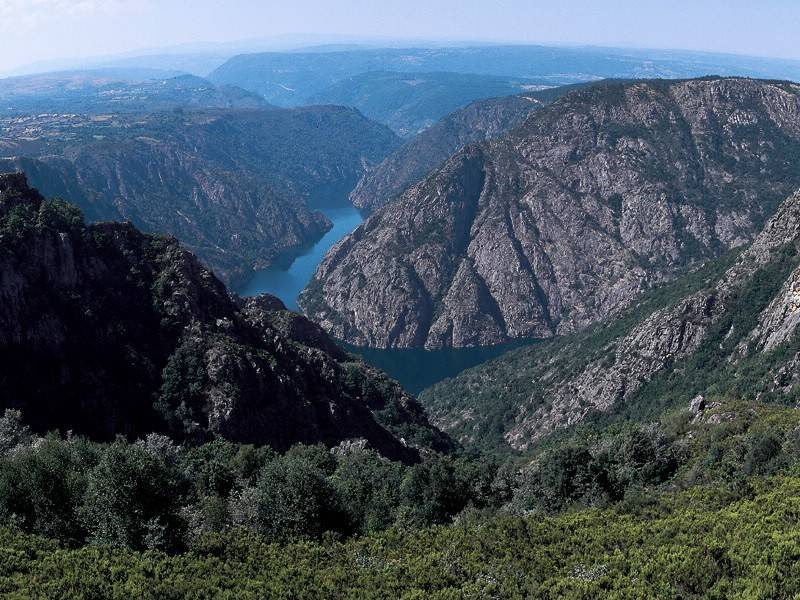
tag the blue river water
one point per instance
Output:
(287, 282)
(415, 369)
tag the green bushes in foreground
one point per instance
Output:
(700, 543)
(155, 495)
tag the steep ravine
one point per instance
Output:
(234, 185)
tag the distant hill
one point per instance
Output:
(117, 90)
(290, 79)
(234, 185)
(411, 102)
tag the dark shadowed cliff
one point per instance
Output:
(105, 330)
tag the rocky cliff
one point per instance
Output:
(105, 331)
(233, 185)
(733, 333)
(566, 220)
(479, 121)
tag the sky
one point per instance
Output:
(37, 30)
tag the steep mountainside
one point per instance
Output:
(728, 330)
(105, 330)
(290, 79)
(566, 220)
(233, 185)
(105, 91)
(411, 102)
(481, 120)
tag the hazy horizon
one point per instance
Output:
(74, 32)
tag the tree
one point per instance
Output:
(41, 489)
(368, 489)
(295, 500)
(132, 500)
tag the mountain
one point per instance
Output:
(409, 103)
(566, 220)
(479, 121)
(728, 331)
(105, 331)
(290, 79)
(105, 91)
(232, 184)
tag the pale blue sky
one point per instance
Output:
(34, 30)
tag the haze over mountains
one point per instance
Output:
(108, 91)
(409, 103)
(291, 79)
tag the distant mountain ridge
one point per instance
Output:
(409, 103)
(105, 91)
(290, 79)
(566, 220)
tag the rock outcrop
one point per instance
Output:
(562, 223)
(739, 333)
(477, 122)
(105, 331)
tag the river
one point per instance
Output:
(415, 369)
(287, 282)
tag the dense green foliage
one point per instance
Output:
(155, 494)
(704, 543)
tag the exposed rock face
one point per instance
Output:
(780, 319)
(233, 185)
(567, 219)
(105, 330)
(481, 120)
(564, 391)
